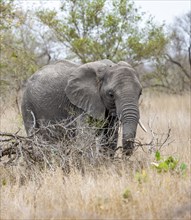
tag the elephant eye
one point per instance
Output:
(110, 94)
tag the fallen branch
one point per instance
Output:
(69, 149)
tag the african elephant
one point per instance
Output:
(102, 89)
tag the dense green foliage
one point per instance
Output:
(100, 29)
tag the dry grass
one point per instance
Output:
(99, 192)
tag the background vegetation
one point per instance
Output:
(155, 182)
(86, 31)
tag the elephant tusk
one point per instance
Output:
(119, 151)
(120, 134)
(142, 126)
(34, 119)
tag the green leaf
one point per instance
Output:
(127, 194)
(14, 55)
(4, 182)
(163, 166)
(183, 166)
(141, 176)
(171, 162)
(157, 156)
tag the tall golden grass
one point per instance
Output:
(120, 190)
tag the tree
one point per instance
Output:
(172, 69)
(179, 53)
(24, 47)
(17, 62)
(99, 29)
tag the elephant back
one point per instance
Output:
(52, 74)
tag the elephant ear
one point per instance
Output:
(83, 89)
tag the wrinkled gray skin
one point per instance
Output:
(102, 89)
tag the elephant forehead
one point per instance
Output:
(122, 78)
(121, 70)
(121, 75)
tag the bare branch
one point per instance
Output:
(76, 145)
(189, 55)
(179, 65)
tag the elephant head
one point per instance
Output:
(101, 87)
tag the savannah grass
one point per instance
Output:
(130, 189)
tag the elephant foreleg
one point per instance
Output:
(110, 137)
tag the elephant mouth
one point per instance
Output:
(112, 113)
(128, 146)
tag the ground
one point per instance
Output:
(133, 189)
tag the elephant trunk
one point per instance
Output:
(129, 118)
(129, 133)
